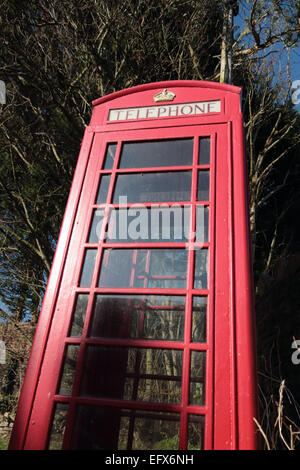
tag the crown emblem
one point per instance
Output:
(164, 95)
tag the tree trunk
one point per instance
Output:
(226, 48)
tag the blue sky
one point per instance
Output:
(279, 59)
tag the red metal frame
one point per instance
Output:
(231, 402)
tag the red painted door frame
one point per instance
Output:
(231, 393)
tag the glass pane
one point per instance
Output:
(196, 432)
(66, 381)
(58, 426)
(152, 268)
(103, 189)
(153, 187)
(157, 153)
(201, 269)
(96, 226)
(199, 319)
(96, 428)
(79, 315)
(203, 186)
(159, 317)
(110, 156)
(132, 374)
(124, 429)
(204, 151)
(155, 431)
(197, 378)
(104, 372)
(126, 432)
(157, 375)
(202, 224)
(155, 224)
(88, 268)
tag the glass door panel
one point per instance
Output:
(160, 153)
(140, 324)
(153, 187)
(155, 317)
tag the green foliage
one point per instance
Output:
(3, 443)
(169, 443)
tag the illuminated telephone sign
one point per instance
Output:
(145, 338)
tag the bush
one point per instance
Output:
(8, 403)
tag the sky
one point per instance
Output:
(294, 57)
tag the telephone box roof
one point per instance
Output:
(166, 84)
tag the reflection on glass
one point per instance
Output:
(201, 269)
(196, 429)
(132, 374)
(88, 267)
(199, 319)
(153, 187)
(104, 372)
(124, 429)
(96, 428)
(68, 372)
(110, 156)
(158, 317)
(149, 268)
(103, 189)
(197, 378)
(155, 224)
(79, 315)
(203, 186)
(204, 151)
(202, 224)
(157, 153)
(58, 426)
(155, 375)
(151, 431)
(96, 226)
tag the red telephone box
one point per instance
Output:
(146, 335)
